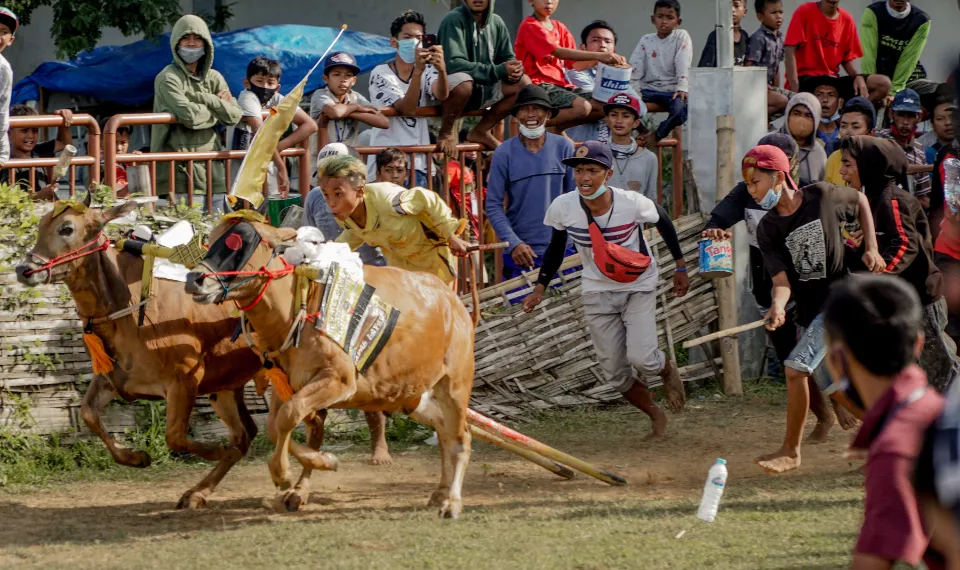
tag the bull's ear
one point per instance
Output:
(118, 212)
(88, 199)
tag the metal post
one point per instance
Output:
(724, 34)
(726, 287)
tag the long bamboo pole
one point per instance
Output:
(551, 466)
(490, 425)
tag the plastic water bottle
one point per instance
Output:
(951, 183)
(712, 491)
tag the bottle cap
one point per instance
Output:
(721, 461)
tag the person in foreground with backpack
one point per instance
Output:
(619, 277)
(873, 337)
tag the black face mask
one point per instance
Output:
(263, 93)
(233, 250)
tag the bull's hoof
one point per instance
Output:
(438, 498)
(137, 458)
(292, 501)
(192, 500)
(450, 510)
(284, 484)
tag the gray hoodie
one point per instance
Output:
(813, 159)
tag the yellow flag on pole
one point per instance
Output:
(253, 170)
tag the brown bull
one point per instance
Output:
(425, 369)
(181, 351)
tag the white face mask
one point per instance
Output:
(533, 133)
(898, 15)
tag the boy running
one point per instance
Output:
(619, 304)
(804, 252)
(903, 235)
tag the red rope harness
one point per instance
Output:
(70, 255)
(287, 269)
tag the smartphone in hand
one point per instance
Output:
(428, 41)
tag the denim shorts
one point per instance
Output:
(807, 357)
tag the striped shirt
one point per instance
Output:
(622, 225)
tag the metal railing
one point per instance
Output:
(111, 158)
(90, 160)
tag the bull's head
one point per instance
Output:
(65, 236)
(238, 245)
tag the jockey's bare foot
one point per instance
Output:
(673, 386)
(658, 419)
(448, 144)
(822, 430)
(381, 456)
(847, 420)
(780, 461)
(483, 137)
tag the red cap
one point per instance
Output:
(626, 101)
(768, 157)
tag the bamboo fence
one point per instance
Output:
(523, 362)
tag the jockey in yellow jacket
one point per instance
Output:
(413, 227)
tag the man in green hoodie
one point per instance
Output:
(199, 97)
(482, 71)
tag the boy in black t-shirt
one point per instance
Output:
(803, 250)
(23, 144)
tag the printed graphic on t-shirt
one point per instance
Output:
(808, 250)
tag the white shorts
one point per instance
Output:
(623, 327)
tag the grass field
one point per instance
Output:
(515, 514)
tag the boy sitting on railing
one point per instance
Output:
(337, 107)
(23, 144)
(261, 92)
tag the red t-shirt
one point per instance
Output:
(892, 526)
(534, 47)
(823, 45)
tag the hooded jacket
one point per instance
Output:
(903, 232)
(481, 51)
(194, 100)
(813, 159)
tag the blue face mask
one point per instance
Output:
(600, 192)
(407, 50)
(770, 200)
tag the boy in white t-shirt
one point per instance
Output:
(261, 92)
(619, 301)
(417, 77)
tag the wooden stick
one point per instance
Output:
(490, 425)
(726, 287)
(724, 333)
(488, 246)
(551, 466)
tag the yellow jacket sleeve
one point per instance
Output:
(429, 208)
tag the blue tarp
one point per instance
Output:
(124, 74)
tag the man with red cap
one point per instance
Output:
(635, 167)
(803, 249)
(619, 277)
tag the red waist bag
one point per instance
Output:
(615, 261)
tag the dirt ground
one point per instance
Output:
(515, 514)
